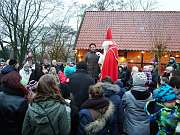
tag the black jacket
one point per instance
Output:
(12, 111)
(79, 83)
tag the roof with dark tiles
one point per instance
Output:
(132, 30)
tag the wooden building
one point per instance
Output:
(135, 32)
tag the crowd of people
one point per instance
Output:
(59, 99)
(90, 97)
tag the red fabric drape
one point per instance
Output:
(110, 64)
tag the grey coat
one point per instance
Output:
(92, 64)
(136, 120)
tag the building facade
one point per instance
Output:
(138, 34)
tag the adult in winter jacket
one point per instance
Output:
(172, 63)
(91, 60)
(78, 85)
(13, 104)
(96, 113)
(111, 91)
(47, 114)
(134, 101)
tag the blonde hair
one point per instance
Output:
(96, 91)
(53, 70)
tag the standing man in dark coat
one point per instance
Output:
(91, 60)
(79, 83)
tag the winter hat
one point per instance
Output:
(173, 58)
(147, 68)
(68, 70)
(164, 93)
(169, 69)
(139, 79)
(108, 34)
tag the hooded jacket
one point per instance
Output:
(13, 107)
(47, 118)
(90, 125)
(166, 117)
(136, 120)
(111, 92)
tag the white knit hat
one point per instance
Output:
(173, 58)
(139, 78)
(169, 69)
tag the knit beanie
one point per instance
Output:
(173, 58)
(139, 79)
(164, 93)
(169, 69)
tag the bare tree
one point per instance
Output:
(143, 5)
(21, 18)
(61, 42)
(102, 5)
(148, 5)
(131, 5)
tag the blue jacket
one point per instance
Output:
(7, 69)
(111, 92)
(136, 120)
(100, 126)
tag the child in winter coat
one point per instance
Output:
(96, 113)
(164, 110)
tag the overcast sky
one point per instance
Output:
(163, 5)
(170, 5)
(173, 5)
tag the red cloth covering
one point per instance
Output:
(110, 64)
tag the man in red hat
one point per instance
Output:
(109, 60)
